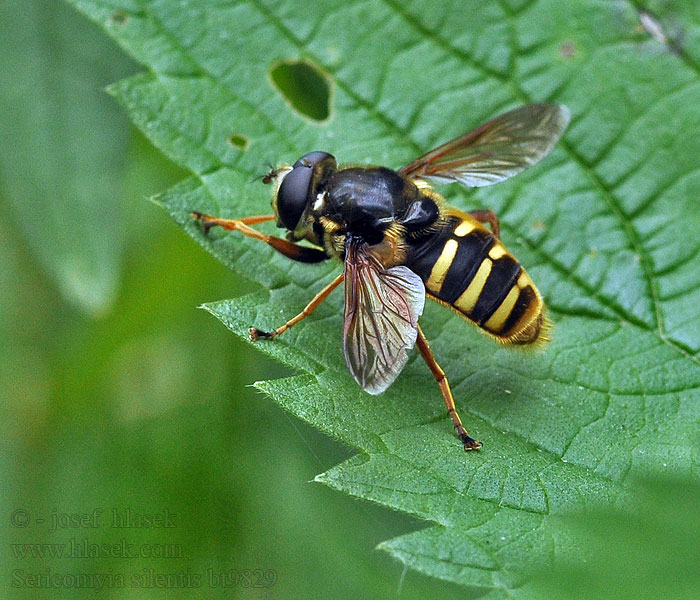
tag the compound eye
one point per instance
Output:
(312, 159)
(292, 196)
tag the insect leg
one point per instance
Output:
(256, 334)
(208, 221)
(439, 374)
(289, 249)
(488, 216)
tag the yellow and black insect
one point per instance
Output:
(400, 242)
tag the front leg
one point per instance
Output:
(289, 249)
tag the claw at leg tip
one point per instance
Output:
(201, 218)
(469, 442)
(472, 445)
(255, 334)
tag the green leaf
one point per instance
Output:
(607, 226)
(64, 146)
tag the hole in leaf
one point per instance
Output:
(239, 141)
(568, 49)
(304, 86)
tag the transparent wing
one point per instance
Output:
(382, 307)
(499, 149)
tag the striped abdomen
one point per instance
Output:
(466, 267)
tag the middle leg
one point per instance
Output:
(256, 334)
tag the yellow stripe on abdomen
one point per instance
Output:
(497, 320)
(467, 300)
(441, 266)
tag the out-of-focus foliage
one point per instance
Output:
(63, 147)
(648, 551)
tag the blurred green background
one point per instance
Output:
(118, 393)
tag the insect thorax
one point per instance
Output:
(372, 204)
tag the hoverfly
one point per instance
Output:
(399, 242)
